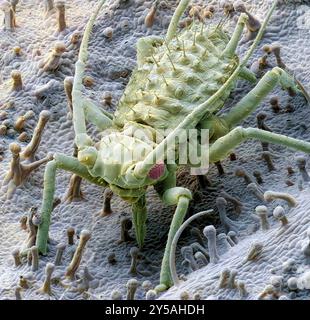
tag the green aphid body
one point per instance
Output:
(170, 81)
(179, 83)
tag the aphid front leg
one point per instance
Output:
(60, 162)
(173, 196)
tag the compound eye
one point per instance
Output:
(157, 171)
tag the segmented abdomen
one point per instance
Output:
(175, 78)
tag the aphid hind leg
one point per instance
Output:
(221, 148)
(252, 100)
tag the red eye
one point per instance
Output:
(157, 171)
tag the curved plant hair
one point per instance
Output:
(173, 270)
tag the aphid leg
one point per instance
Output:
(139, 215)
(180, 197)
(82, 139)
(252, 100)
(60, 162)
(102, 120)
(276, 49)
(164, 188)
(224, 145)
(172, 196)
(248, 75)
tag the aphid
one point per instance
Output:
(163, 103)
